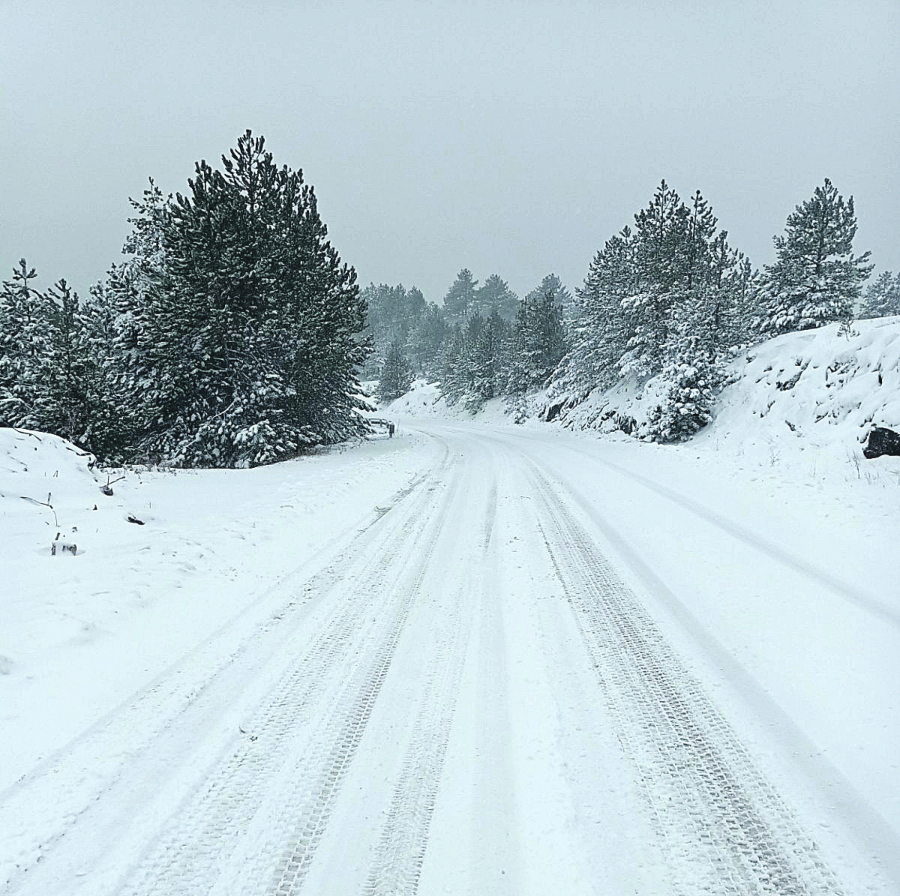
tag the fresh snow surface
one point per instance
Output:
(475, 658)
(424, 399)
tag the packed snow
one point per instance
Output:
(475, 657)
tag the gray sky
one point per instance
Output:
(505, 137)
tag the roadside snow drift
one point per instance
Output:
(817, 386)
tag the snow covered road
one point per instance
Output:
(546, 666)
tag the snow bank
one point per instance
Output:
(424, 399)
(816, 393)
(50, 491)
(817, 386)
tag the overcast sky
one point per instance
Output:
(504, 137)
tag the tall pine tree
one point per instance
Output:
(460, 298)
(396, 375)
(239, 330)
(816, 279)
(539, 341)
(25, 329)
(495, 295)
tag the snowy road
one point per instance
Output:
(521, 678)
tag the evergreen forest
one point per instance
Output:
(233, 335)
(666, 299)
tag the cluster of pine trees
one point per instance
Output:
(882, 298)
(231, 336)
(50, 376)
(666, 300)
(666, 297)
(482, 343)
(670, 300)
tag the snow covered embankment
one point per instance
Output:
(814, 391)
(424, 399)
(817, 387)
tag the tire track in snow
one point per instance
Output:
(866, 825)
(286, 779)
(494, 782)
(490, 518)
(746, 536)
(322, 788)
(397, 865)
(303, 831)
(723, 826)
(165, 714)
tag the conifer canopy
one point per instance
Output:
(239, 325)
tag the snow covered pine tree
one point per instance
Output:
(882, 297)
(246, 327)
(24, 337)
(460, 298)
(396, 376)
(816, 279)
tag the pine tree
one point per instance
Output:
(882, 298)
(486, 346)
(732, 298)
(745, 288)
(495, 295)
(518, 370)
(693, 379)
(600, 328)
(63, 406)
(46, 372)
(472, 331)
(563, 297)
(239, 330)
(816, 279)
(425, 339)
(690, 378)
(662, 243)
(393, 313)
(121, 334)
(25, 317)
(454, 380)
(548, 336)
(109, 423)
(460, 298)
(396, 376)
(669, 298)
(539, 341)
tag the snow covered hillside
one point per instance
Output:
(815, 391)
(425, 400)
(807, 398)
